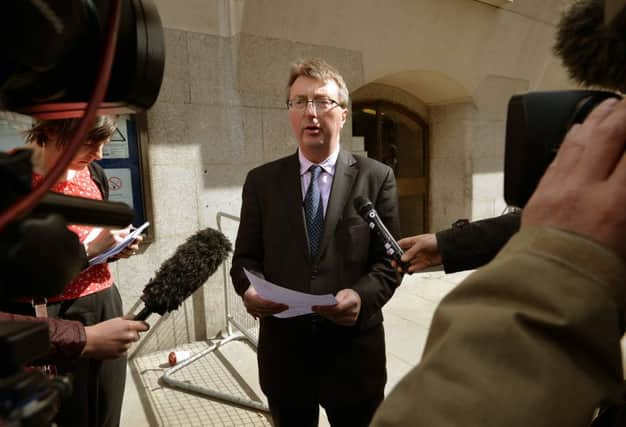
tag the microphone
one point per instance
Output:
(183, 273)
(591, 40)
(365, 208)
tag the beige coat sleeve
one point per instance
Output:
(532, 339)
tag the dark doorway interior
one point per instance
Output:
(398, 138)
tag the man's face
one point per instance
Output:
(317, 132)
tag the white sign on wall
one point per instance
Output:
(12, 127)
(120, 185)
(117, 148)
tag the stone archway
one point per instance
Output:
(393, 116)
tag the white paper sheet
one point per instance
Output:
(299, 303)
(99, 259)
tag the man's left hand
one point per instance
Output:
(345, 312)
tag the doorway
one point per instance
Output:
(399, 138)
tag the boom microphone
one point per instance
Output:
(591, 41)
(184, 272)
(365, 208)
(79, 210)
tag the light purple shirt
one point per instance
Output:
(325, 179)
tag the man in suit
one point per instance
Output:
(300, 230)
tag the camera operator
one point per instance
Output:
(91, 298)
(533, 338)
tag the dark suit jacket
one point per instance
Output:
(272, 242)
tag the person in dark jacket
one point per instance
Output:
(464, 246)
(300, 230)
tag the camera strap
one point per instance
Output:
(41, 307)
(41, 311)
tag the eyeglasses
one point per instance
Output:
(320, 104)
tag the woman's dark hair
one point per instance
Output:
(61, 130)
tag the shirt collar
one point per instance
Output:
(327, 165)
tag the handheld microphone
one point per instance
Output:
(183, 273)
(365, 208)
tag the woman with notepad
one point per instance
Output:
(91, 298)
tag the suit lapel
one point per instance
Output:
(292, 191)
(345, 173)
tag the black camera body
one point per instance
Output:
(27, 397)
(536, 124)
(51, 53)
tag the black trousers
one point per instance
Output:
(98, 385)
(306, 414)
(612, 416)
(306, 363)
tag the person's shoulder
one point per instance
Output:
(371, 165)
(272, 168)
(97, 172)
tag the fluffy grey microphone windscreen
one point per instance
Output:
(593, 51)
(186, 270)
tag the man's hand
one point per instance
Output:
(421, 252)
(345, 312)
(112, 338)
(259, 307)
(584, 189)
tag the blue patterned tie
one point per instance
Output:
(314, 210)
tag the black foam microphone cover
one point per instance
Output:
(184, 272)
(591, 42)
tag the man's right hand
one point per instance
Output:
(112, 338)
(421, 252)
(259, 307)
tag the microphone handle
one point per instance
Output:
(392, 249)
(143, 314)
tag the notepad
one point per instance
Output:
(114, 250)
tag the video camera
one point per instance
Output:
(27, 397)
(591, 40)
(60, 59)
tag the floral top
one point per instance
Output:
(98, 277)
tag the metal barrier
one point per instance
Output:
(239, 326)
